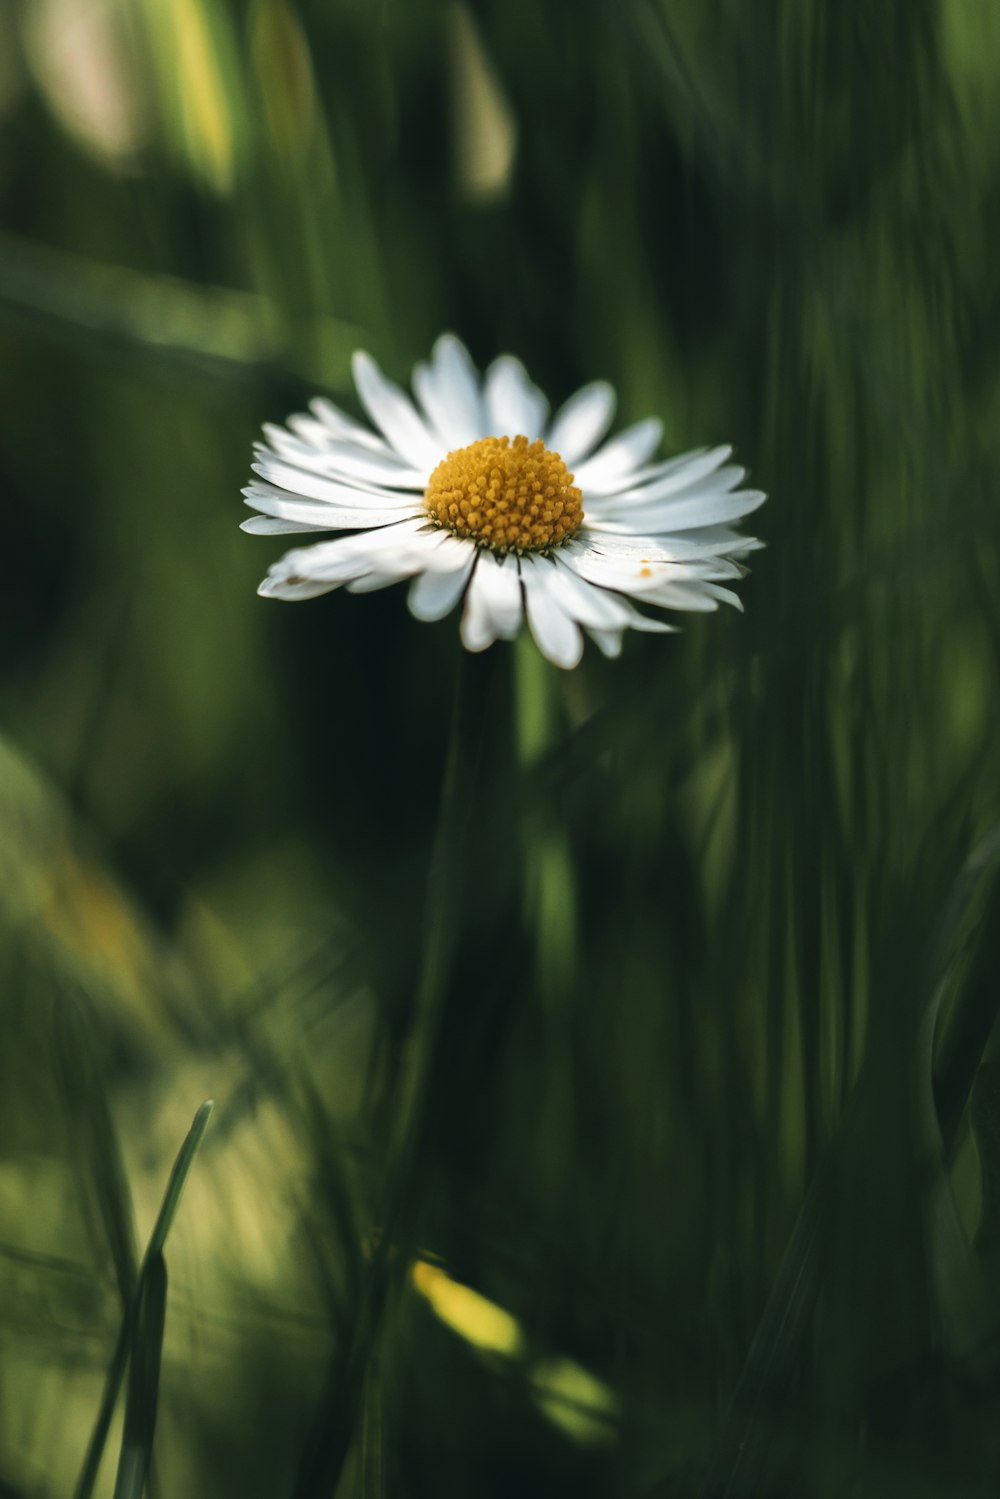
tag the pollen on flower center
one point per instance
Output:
(508, 495)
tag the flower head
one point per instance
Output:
(475, 494)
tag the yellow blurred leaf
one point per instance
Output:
(581, 1405)
(483, 1324)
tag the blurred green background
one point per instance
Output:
(695, 959)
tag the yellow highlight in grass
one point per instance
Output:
(206, 114)
(282, 63)
(484, 129)
(483, 1324)
(580, 1404)
(196, 57)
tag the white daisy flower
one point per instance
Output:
(475, 494)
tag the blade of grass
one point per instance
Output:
(985, 1114)
(773, 1353)
(373, 1476)
(970, 1025)
(741, 1458)
(95, 1139)
(213, 331)
(139, 1343)
(109, 1398)
(143, 1381)
(178, 1176)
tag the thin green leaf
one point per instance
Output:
(178, 1176)
(96, 1140)
(139, 1344)
(144, 1381)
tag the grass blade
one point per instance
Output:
(143, 1382)
(140, 1344)
(178, 1176)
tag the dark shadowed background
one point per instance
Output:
(694, 954)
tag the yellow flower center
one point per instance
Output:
(510, 495)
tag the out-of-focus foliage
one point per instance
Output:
(695, 954)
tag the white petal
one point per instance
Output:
(581, 422)
(459, 377)
(435, 594)
(269, 525)
(659, 583)
(692, 594)
(395, 414)
(639, 574)
(626, 543)
(448, 552)
(285, 447)
(349, 464)
(717, 541)
(721, 481)
(727, 476)
(644, 624)
(312, 486)
(293, 590)
(309, 440)
(634, 546)
(514, 406)
(586, 603)
(448, 390)
(741, 545)
(332, 422)
(635, 576)
(327, 517)
(349, 458)
(596, 606)
(709, 569)
(494, 609)
(608, 641)
(683, 513)
(691, 598)
(726, 596)
(439, 418)
(556, 635)
(405, 546)
(686, 468)
(620, 457)
(349, 557)
(385, 575)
